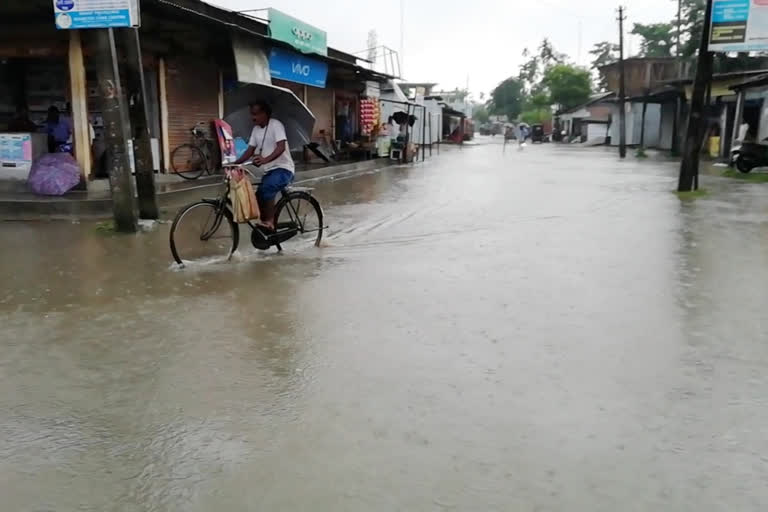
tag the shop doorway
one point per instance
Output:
(29, 87)
(347, 117)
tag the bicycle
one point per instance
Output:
(194, 158)
(206, 228)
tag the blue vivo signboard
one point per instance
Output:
(293, 67)
(78, 14)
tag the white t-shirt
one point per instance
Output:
(275, 132)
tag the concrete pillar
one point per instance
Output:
(738, 115)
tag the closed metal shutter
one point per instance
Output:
(193, 97)
(320, 102)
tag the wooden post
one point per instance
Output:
(430, 134)
(407, 139)
(642, 125)
(79, 102)
(689, 167)
(676, 126)
(162, 77)
(116, 132)
(136, 89)
(424, 134)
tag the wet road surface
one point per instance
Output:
(547, 330)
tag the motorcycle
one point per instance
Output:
(749, 155)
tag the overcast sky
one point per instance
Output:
(446, 40)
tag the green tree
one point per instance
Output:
(540, 100)
(568, 86)
(507, 98)
(692, 26)
(480, 114)
(603, 53)
(536, 64)
(658, 39)
(535, 116)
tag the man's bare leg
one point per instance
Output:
(268, 213)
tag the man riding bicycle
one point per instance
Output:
(270, 145)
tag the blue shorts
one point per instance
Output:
(273, 182)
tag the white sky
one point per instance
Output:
(448, 40)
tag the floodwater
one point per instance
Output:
(546, 330)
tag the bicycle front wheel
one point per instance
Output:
(203, 231)
(301, 212)
(189, 162)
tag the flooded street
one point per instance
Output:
(545, 330)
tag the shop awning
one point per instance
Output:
(257, 29)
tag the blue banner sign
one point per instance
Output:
(82, 14)
(293, 67)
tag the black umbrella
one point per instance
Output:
(286, 108)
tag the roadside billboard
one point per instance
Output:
(302, 36)
(739, 26)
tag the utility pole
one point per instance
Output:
(116, 130)
(139, 116)
(689, 166)
(679, 29)
(402, 37)
(622, 89)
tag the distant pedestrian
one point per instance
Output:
(522, 135)
(59, 131)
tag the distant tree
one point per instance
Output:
(603, 53)
(460, 94)
(568, 86)
(507, 98)
(536, 65)
(657, 39)
(692, 26)
(480, 114)
(536, 116)
(540, 100)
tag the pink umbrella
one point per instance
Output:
(54, 174)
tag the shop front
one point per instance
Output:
(36, 99)
(307, 78)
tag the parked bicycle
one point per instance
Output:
(192, 160)
(206, 229)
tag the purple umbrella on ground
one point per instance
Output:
(54, 174)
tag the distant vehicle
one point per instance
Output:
(537, 134)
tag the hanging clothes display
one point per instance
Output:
(369, 115)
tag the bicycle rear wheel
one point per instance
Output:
(188, 161)
(301, 212)
(201, 231)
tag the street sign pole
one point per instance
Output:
(689, 166)
(116, 130)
